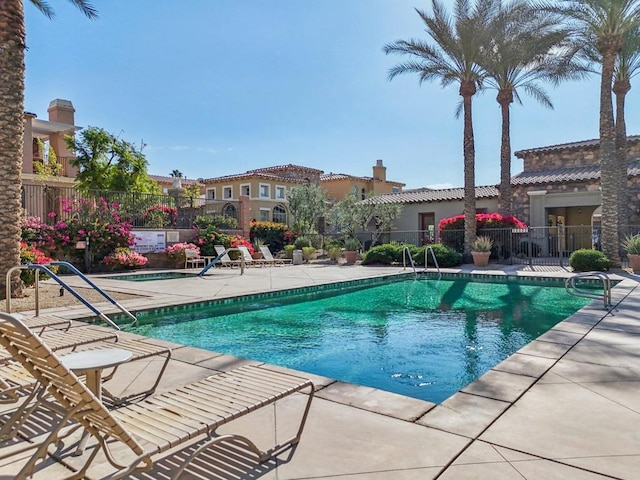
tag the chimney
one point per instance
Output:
(380, 171)
(61, 111)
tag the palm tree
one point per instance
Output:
(603, 24)
(12, 46)
(176, 174)
(525, 42)
(627, 66)
(452, 57)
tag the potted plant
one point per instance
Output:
(351, 247)
(481, 251)
(257, 243)
(631, 245)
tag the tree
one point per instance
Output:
(307, 204)
(603, 24)
(106, 162)
(12, 46)
(353, 215)
(452, 57)
(176, 174)
(523, 51)
(627, 66)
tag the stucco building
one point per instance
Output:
(339, 185)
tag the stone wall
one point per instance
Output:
(536, 161)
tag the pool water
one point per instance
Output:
(421, 338)
(148, 277)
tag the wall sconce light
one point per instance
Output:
(579, 210)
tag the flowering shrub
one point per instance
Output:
(30, 255)
(95, 219)
(176, 251)
(160, 216)
(125, 258)
(238, 240)
(276, 235)
(483, 220)
(206, 237)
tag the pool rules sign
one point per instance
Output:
(147, 241)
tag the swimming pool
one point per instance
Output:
(149, 277)
(421, 338)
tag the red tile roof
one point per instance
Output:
(330, 177)
(575, 174)
(421, 195)
(569, 146)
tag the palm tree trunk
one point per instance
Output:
(608, 163)
(12, 45)
(467, 90)
(620, 89)
(505, 98)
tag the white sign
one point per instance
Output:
(149, 241)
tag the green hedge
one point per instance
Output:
(587, 259)
(389, 253)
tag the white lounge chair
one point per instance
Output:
(192, 259)
(225, 261)
(267, 255)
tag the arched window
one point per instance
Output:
(279, 214)
(229, 211)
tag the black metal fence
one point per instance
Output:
(144, 210)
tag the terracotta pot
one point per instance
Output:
(350, 256)
(256, 255)
(481, 259)
(634, 262)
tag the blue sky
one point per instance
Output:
(216, 87)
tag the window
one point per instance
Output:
(245, 190)
(264, 190)
(280, 193)
(211, 194)
(229, 211)
(264, 214)
(363, 194)
(227, 192)
(395, 190)
(279, 214)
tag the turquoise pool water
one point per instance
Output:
(421, 338)
(148, 277)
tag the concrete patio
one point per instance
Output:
(563, 407)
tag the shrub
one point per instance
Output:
(218, 222)
(482, 244)
(587, 259)
(288, 251)
(32, 255)
(352, 244)
(302, 242)
(276, 235)
(447, 257)
(160, 217)
(176, 251)
(631, 244)
(483, 220)
(334, 252)
(126, 258)
(385, 254)
(307, 253)
(207, 236)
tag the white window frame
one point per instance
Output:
(225, 189)
(242, 186)
(284, 192)
(210, 191)
(268, 211)
(268, 185)
(395, 190)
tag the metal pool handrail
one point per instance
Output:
(433, 256)
(571, 287)
(44, 268)
(406, 252)
(219, 257)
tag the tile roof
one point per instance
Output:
(163, 179)
(284, 168)
(253, 174)
(569, 146)
(575, 174)
(420, 195)
(330, 177)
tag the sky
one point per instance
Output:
(217, 87)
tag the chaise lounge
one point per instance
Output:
(180, 417)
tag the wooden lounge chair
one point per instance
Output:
(266, 254)
(192, 259)
(187, 414)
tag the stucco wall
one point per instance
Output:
(409, 219)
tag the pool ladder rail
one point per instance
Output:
(572, 288)
(407, 253)
(45, 268)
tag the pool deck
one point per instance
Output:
(566, 406)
